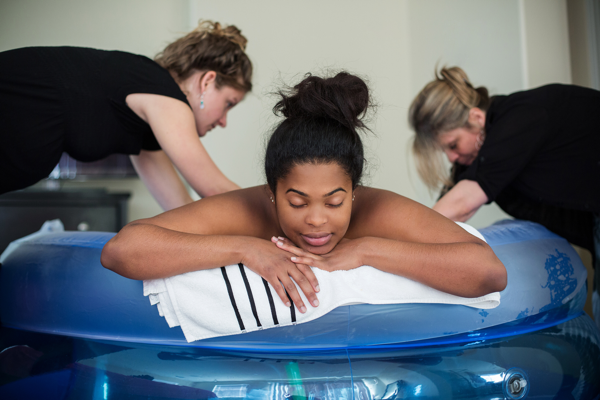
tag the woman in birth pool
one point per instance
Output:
(312, 211)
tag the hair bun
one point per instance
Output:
(206, 28)
(344, 98)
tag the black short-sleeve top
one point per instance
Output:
(545, 144)
(90, 87)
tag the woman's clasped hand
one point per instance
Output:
(277, 268)
(343, 257)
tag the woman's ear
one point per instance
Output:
(477, 117)
(207, 79)
(271, 195)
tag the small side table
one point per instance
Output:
(23, 212)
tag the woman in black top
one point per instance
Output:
(536, 153)
(91, 103)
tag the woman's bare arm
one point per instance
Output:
(217, 231)
(173, 124)
(462, 201)
(158, 174)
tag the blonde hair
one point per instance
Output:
(442, 105)
(210, 47)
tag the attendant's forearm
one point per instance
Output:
(145, 251)
(222, 185)
(158, 174)
(462, 201)
(454, 213)
(466, 269)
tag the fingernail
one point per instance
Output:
(280, 238)
(317, 288)
(294, 258)
(316, 303)
(287, 304)
(279, 243)
(302, 309)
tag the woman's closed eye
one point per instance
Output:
(297, 205)
(336, 205)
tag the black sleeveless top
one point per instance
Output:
(543, 144)
(71, 99)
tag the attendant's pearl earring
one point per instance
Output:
(272, 201)
(352, 197)
(480, 139)
(202, 101)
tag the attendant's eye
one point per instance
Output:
(452, 146)
(297, 205)
(336, 205)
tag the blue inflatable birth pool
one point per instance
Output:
(74, 330)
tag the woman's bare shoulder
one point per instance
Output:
(244, 212)
(383, 213)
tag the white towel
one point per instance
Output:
(233, 299)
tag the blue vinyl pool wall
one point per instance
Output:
(558, 362)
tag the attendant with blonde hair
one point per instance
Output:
(535, 153)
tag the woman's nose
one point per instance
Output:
(316, 217)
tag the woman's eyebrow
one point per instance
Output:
(334, 191)
(325, 195)
(296, 191)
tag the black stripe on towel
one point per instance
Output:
(292, 308)
(237, 313)
(271, 303)
(250, 296)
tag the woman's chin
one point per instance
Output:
(320, 250)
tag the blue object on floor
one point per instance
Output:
(537, 344)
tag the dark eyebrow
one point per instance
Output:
(297, 191)
(325, 195)
(334, 191)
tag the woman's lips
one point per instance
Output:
(317, 239)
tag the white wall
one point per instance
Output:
(547, 42)
(393, 43)
(289, 39)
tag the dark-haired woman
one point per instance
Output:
(92, 103)
(536, 153)
(312, 212)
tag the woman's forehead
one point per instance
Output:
(316, 178)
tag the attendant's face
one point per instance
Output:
(461, 145)
(216, 103)
(314, 205)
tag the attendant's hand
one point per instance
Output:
(344, 256)
(275, 266)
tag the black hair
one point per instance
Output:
(322, 119)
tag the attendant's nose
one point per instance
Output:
(222, 122)
(452, 156)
